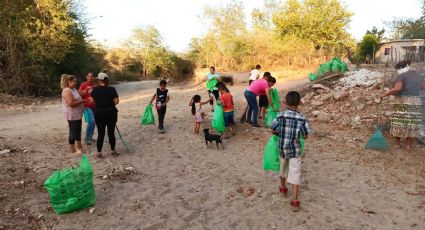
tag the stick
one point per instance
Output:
(122, 140)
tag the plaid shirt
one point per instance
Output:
(289, 125)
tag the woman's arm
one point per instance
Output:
(116, 100)
(69, 99)
(398, 86)
(269, 99)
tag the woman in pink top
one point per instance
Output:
(73, 107)
(257, 88)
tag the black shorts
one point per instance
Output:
(263, 102)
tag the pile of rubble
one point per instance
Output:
(352, 100)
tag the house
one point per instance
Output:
(399, 50)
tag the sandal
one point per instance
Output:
(99, 156)
(114, 153)
(295, 205)
(283, 191)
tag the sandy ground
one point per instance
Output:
(180, 184)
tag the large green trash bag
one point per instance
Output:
(324, 69)
(271, 114)
(148, 118)
(211, 83)
(271, 161)
(72, 188)
(218, 119)
(302, 145)
(336, 66)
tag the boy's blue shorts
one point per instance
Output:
(228, 119)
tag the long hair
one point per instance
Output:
(65, 79)
(196, 99)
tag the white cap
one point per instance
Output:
(102, 76)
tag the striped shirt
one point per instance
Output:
(289, 125)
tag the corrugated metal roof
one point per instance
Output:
(403, 40)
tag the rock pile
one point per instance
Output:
(352, 100)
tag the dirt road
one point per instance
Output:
(178, 183)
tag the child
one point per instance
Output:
(162, 97)
(262, 99)
(196, 104)
(289, 126)
(255, 74)
(226, 100)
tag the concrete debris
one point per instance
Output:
(320, 86)
(362, 77)
(340, 94)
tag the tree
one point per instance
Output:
(367, 47)
(40, 39)
(323, 23)
(378, 33)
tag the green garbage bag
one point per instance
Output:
(211, 83)
(302, 145)
(324, 69)
(271, 114)
(148, 118)
(271, 161)
(312, 77)
(344, 67)
(72, 188)
(218, 119)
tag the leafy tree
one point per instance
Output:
(378, 33)
(367, 46)
(323, 23)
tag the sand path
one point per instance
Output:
(180, 184)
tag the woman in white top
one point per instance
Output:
(196, 104)
(255, 74)
(73, 107)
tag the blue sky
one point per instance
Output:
(112, 21)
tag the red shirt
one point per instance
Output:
(86, 85)
(226, 100)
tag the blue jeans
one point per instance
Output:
(252, 114)
(91, 124)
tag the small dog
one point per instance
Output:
(212, 137)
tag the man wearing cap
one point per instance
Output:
(106, 114)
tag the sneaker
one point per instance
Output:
(162, 131)
(249, 122)
(295, 205)
(87, 142)
(256, 125)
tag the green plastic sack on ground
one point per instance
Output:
(302, 145)
(312, 77)
(72, 189)
(324, 69)
(148, 118)
(211, 83)
(271, 161)
(336, 66)
(271, 114)
(218, 119)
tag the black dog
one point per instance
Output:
(212, 137)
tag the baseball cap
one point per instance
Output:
(102, 76)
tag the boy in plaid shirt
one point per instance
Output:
(289, 126)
